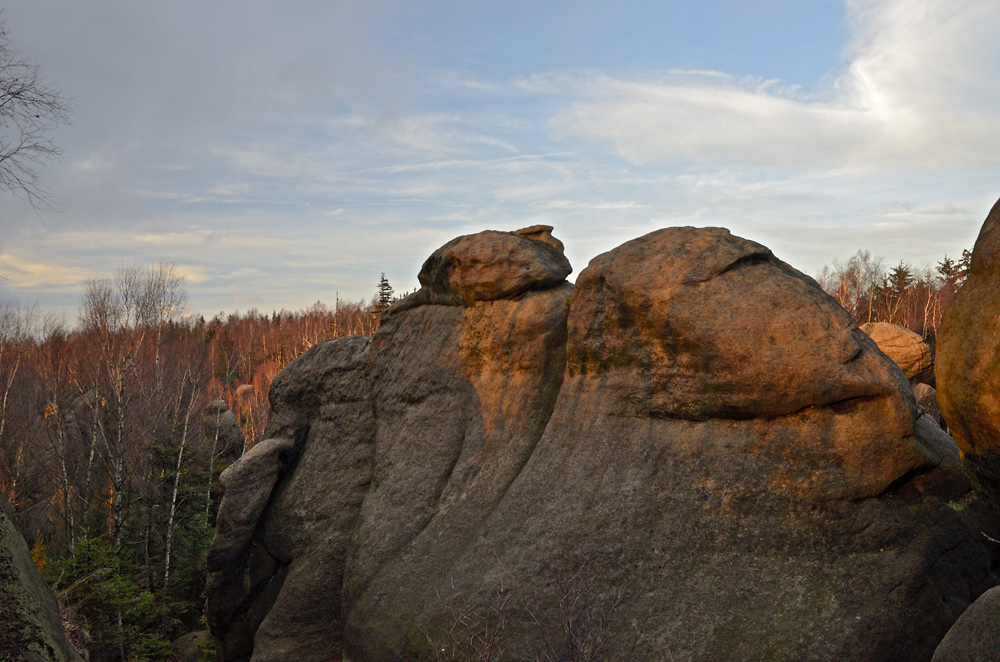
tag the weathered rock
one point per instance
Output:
(968, 361)
(926, 397)
(223, 430)
(975, 637)
(907, 349)
(30, 626)
(736, 528)
(277, 577)
(693, 454)
(489, 266)
(461, 397)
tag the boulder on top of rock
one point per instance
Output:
(694, 453)
(967, 366)
(718, 328)
(491, 265)
(907, 349)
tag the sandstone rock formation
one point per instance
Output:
(694, 454)
(221, 426)
(926, 397)
(907, 349)
(975, 637)
(968, 361)
(30, 627)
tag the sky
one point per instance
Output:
(281, 154)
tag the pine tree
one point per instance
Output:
(949, 271)
(896, 288)
(964, 265)
(384, 294)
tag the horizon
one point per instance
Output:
(280, 155)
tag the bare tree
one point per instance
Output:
(855, 283)
(53, 372)
(29, 110)
(16, 326)
(126, 315)
(181, 447)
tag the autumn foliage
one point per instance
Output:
(910, 297)
(102, 445)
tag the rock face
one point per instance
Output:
(907, 349)
(30, 627)
(926, 397)
(222, 427)
(968, 361)
(693, 454)
(976, 635)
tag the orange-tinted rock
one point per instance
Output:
(968, 361)
(926, 397)
(695, 441)
(907, 349)
(491, 265)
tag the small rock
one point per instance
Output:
(907, 349)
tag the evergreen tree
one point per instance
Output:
(948, 270)
(899, 279)
(964, 264)
(895, 290)
(384, 294)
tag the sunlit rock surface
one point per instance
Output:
(693, 454)
(968, 361)
(907, 350)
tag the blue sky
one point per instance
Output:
(280, 153)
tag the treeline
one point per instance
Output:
(103, 446)
(910, 297)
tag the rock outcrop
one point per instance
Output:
(926, 397)
(222, 428)
(975, 637)
(968, 361)
(30, 627)
(694, 453)
(907, 349)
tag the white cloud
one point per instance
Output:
(920, 90)
(303, 153)
(29, 273)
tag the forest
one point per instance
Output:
(110, 459)
(902, 295)
(103, 450)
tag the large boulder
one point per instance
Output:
(968, 361)
(31, 629)
(693, 454)
(975, 637)
(907, 349)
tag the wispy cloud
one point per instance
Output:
(919, 90)
(284, 155)
(31, 274)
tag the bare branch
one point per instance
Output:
(29, 111)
